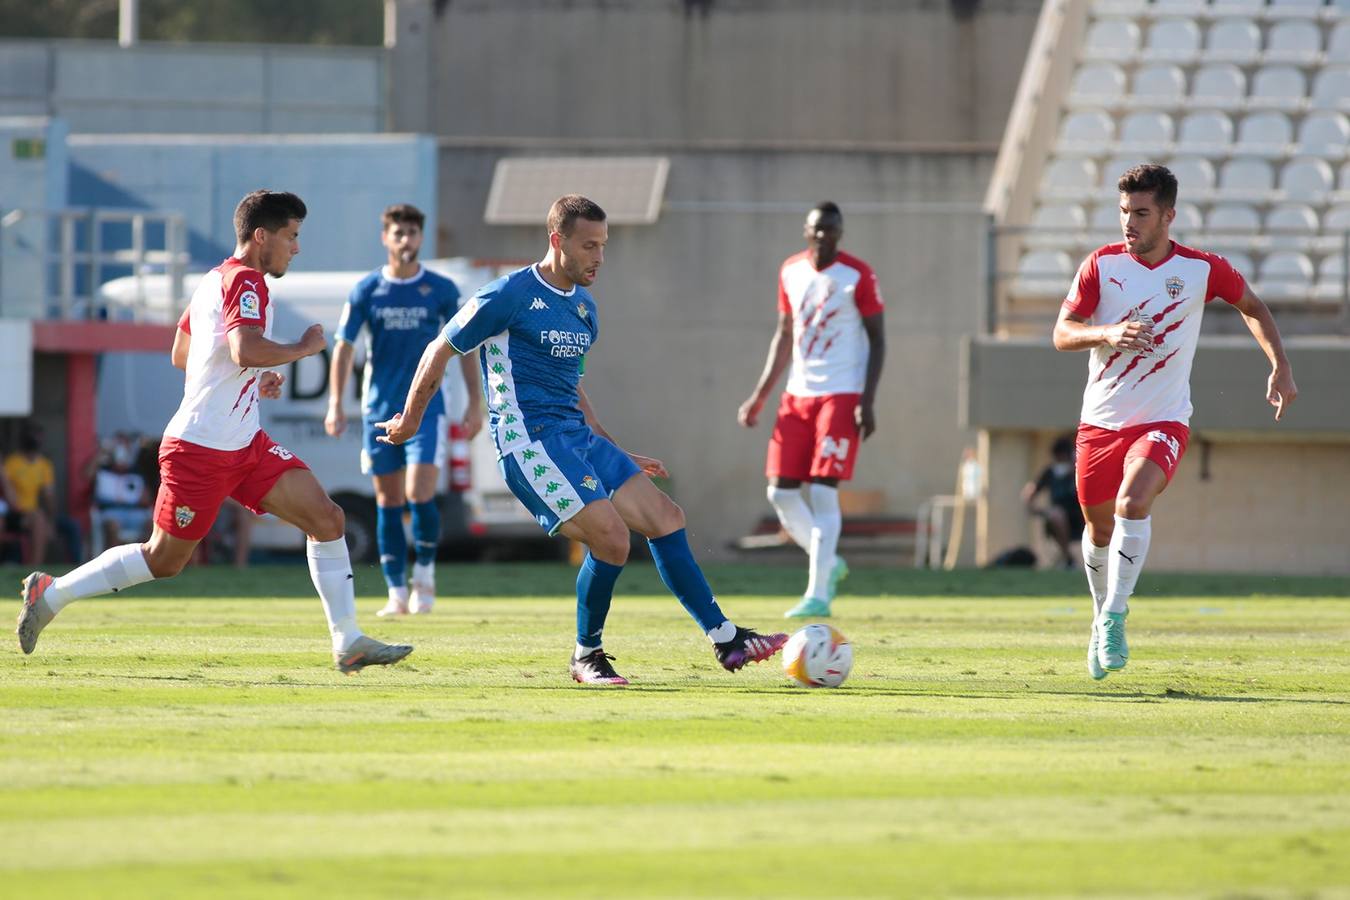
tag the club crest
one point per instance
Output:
(183, 516)
(581, 310)
(1174, 286)
(589, 483)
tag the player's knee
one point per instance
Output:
(161, 563)
(610, 547)
(672, 518)
(1130, 507)
(330, 523)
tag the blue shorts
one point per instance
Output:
(557, 476)
(429, 446)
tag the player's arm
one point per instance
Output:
(1280, 387)
(250, 350)
(473, 382)
(426, 382)
(178, 355)
(875, 328)
(339, 370)
(584, 403)
(651, 466)
(1074, 332)
(780, 356)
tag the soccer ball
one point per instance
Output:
(818, 656)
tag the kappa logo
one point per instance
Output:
(183, 515)
(1172, 444)
(836, 448)
(538, 304)
(1174, 286)
(281, 451)
(250, 306)
(589, 483)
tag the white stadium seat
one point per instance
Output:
(1307, 178)
(1043, 273)
(1111, 39)
(1286, 275)
(1086, 132)
(1337, 221)
(1205, 133)
(1105, 222)
(1245, 178)
(1238, 7)
(1059, 217)
(1195, 176)
(1233, 41)
(1278, 87)
(1242, 262)
(1294, 41)
(1097, 85)
(1331, 278)
(1069, 178)
(1345, 179)
(1220, 86)
(1331, 88)
(1172, 41)
(1179, 7)
(1325, 134)
(1146, 133)
(1264, 134)
(1308, 9)
(1115, 167)
(1338, 46)
(1160, 85)
(1233, 218)
(1188, 219)
(1292, 226)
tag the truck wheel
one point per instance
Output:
(360, 530)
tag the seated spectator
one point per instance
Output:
(1062, 514)
(32, 478)
(121, 495)
(11, 523)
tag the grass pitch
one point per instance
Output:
(191, 739)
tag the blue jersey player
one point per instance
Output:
(401, 305)
(532, 330)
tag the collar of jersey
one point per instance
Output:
(384, 273)
(534, 270)
(1151, 266)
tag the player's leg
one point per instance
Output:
(787, 466)
(282, 485)
(1099, 469)
(427, 454)
(384, 463)
(835, 441)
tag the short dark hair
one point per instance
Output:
(403, 214)
(266, 209)
(1150, 177)
(829, 208)
(568, 208)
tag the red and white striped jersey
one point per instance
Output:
(829, 345)
(1128, 388)
(220, 399)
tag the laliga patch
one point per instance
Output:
(250, 307)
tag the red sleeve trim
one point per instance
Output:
(1086, 291)
(867, 295)
(1225, 282)
(185, 320)
(245, 298)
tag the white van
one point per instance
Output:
(137, 393)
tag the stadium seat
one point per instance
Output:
(1069, 179)
(1205, 133)
(1195, 176)
(1291, 226)
(1296, 41)
(1233, 41)
(1158, 86)
(1086, 132)
(1238, 7)
(1246, 179)
(1301, 9)
(1097, 85)
(1232, 226)
(1278, 87)
(1345, 182)
(1242, 262)
(1286, 275)
(1111, 171)
(1148, 133)
(1056, 226)
(1337, 221)
(1338, 45)
(1111, 39)
(1265, 134)
(1172, 40)
(1331, 278)
(1307, 178)
(1331, 88)
(1325, 134)
(1220, 86)
(1043, 273)
(1188, 221)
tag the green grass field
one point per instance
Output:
(191, 739)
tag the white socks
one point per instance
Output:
(330, 569)
(583, 651)
(1096, 562)
(827, 523)
(793, 513)
(1129, 547)
(112, 570)
(723, 633)
(424, 574)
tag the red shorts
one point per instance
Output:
(1103, 455)
(195, 480)
(814, 437)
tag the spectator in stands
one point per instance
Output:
(11, 523)
(32, 478)
(121, 496)
(1061, 512)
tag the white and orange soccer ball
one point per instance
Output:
(818, 656)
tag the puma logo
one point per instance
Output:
(1117, 283)
(1092, 567)
(1129, 559)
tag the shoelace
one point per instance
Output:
(598, 663)
(1114, 636)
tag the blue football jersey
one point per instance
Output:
(401, 318)
(532, 341)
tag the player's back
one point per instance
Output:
(220, 398)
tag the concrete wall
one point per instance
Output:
(97, 86)
(776, 70)
(34, 175)
(688, 307)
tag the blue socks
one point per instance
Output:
(675, 563)
(393, 544)
(595, 589)
(426, 529)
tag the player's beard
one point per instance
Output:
(408, 257)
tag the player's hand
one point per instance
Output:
(866, 419)
(396, 430)
(1281, 391)
(748, 414)
(1130, 336)
(473, 421)
(313, 341)
(652, 468)
(335, 423)
(269, 385)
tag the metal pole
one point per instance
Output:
(67, 262)
(991, 263)
(128, 23)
